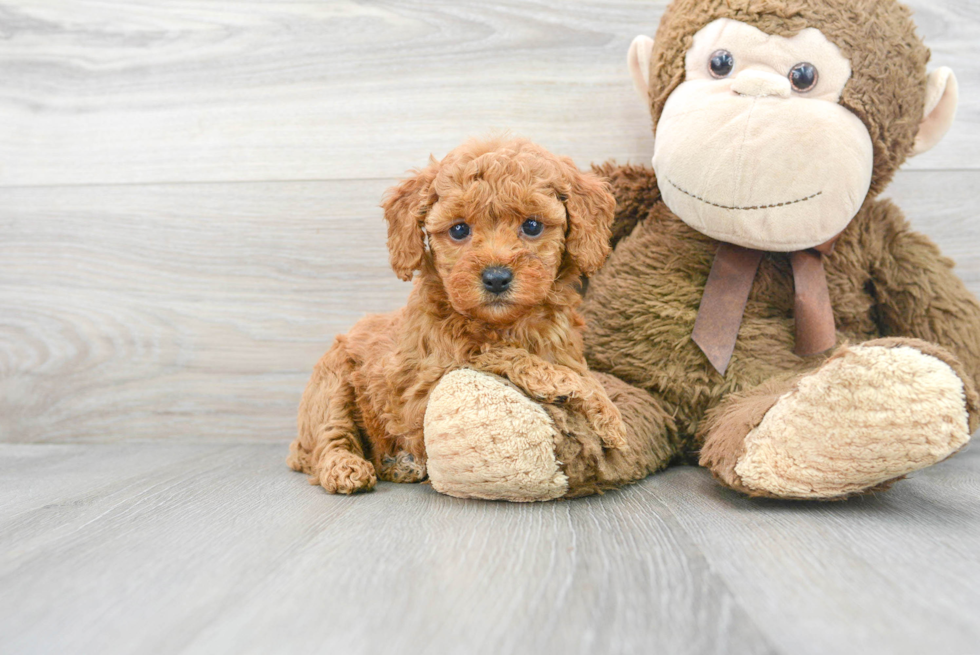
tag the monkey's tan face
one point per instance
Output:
(754, 149)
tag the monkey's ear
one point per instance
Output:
(942, 97)
(590, 208)
(405, 208)
(638, 60)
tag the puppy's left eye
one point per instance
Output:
(459, 231)
(532, 227)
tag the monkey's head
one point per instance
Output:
(776, 119)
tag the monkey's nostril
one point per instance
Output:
(497, 279)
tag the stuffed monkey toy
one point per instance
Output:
(763, 312)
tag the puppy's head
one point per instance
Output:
(508, 225)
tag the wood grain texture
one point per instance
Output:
(150, 311)
(198, 310)
(894, 573)
(943, 205)
(146, 91)
(216, 548)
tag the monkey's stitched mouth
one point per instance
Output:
(773, 206)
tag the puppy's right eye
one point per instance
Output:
(459, 231)
(532, 227)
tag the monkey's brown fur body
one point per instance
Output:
(897, 393)
(885, 280)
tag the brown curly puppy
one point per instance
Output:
(502, 232)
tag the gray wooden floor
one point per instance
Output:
(189, 212)
(144, 547)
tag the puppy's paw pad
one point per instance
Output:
(403, 467)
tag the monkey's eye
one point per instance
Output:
(803, 77)
(459, 231)
(532, 227)
(721, 64)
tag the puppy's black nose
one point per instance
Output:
(497, 279)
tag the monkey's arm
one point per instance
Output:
(918, 294)
(636, 191)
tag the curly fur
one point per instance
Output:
(362, 413)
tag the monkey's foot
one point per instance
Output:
(485, 439)
(870, 415)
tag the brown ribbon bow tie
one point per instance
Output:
(727, 292)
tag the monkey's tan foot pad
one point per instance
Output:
(485, 439)
(870, 415)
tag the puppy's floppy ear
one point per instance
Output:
(406, 205)
(591, 209)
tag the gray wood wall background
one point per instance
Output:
(189, 189)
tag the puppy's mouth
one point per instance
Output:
(486, 304)
(497, 309)
(498, 302)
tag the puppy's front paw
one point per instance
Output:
(403, 467)
(346, 473)
(552, 386)
(605, 419)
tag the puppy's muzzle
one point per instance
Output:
(497, 279)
